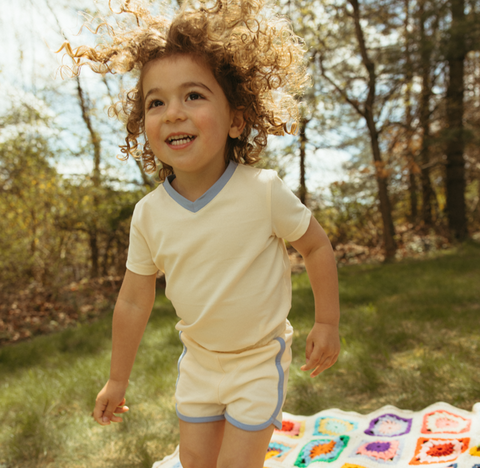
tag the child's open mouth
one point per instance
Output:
(178, 140)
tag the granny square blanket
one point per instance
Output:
(440, 436)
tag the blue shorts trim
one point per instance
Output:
(180, 358)
(246, 427)
(203, 419)
(281, 391)
(253, 427)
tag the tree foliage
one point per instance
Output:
(383, 69)
(48, 219)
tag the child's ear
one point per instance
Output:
(238, 123)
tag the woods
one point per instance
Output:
(395, 83)
(394, 74)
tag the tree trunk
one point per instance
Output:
(412, 189)
(455, 167)
(302, 190)
(96, 143)
(106, 255)
(412, 179)
(381, 173)
(425, 59)
(147, 181)
(94, 255)
(385, 206)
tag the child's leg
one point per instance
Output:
(219, 444)
(243, 449)
(200, 443)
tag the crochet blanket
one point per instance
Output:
(439, 436)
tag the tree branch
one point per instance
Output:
(354, 103)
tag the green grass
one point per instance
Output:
(410, 338)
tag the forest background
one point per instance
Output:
(395, 84)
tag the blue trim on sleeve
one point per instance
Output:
(207, 197)
(273, 419)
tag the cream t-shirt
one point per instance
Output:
(226, 267)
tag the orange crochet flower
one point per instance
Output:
(441, 450)
(322, 449)
(287, 426)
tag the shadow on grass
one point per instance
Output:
(409, 336)
(48, 391)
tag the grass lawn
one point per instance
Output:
(410, 338)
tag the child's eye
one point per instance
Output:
(194, 96)
(155, 103)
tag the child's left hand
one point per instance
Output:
(323, 348)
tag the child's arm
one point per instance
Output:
(132, 310)
(323, 342)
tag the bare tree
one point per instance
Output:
(455, 133)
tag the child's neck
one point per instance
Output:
(193, 185)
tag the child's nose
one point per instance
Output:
(174, 112)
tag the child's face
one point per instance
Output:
(187, 116)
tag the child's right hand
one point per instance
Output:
(110, 400)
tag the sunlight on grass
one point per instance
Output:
(409, 338)
(49, 387)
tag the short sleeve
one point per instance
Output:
(290, 217)
(139, 259)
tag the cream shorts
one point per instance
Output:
(246, 387)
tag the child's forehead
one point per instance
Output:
(177, 60)
(176, 69)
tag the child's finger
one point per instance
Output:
(109, 416)
(324, 366)
(315, 362)
(319, 363)
(308, 349)
(121, 408)
(116, 419)
(314, 355)
(98, 412)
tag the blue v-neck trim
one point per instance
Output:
(207, 197)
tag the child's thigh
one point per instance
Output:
(244, 449)
(200, 443)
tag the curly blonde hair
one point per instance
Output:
(253, 54)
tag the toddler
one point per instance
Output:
(213, 83)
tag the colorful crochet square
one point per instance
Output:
(475, 451)
(382, 451)
(293, 429)
(321, 450)
(389, 425)
(438, 450)
(349, 465)
(278, 451)
(327, 426)
(444, 422)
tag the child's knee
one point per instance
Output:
(191, 459)
(236, 461)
